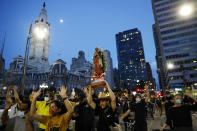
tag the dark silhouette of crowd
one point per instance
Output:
(91, 109)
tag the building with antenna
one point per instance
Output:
(39, 50)
(38, 70)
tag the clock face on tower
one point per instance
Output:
(40, 32)
(39, 49)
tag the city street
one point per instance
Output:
(98, 65)
(158, 121)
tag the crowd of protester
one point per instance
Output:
(88, 110)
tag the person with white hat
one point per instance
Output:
(105, 109)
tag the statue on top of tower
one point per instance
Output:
(44, 5)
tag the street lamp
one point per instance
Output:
(25, 60)
(43, 86)
(170, 65)
(4, 88)
(185, 10)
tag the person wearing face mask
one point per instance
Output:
(167, 101)
(139, 107)
(180, 114)
(43, 107)
(59, 118)
(105, 109)
(83, 112)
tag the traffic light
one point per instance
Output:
(138, 89)
(124, 93)
(158, 94)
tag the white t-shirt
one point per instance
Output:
(13, 112)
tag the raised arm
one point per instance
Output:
(8, 98)
(192, 107)
(125, 114)
(21, 105)
(33, 113)
(112, 96)
(89, 94)
(147, 93)
(63, 94)
(192, 94)
(16, 95)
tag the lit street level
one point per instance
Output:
(159, 121)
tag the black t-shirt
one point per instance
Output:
(106, 118)
(181, 116)
(126, 106)
(168, 103)
(85, 119)
(140, 111)
(158, 102)
(153, 100)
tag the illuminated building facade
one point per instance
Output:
(131, 61)
(175, 32)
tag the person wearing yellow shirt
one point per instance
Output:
(60, 114)
(43, 107)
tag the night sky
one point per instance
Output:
(87, 24)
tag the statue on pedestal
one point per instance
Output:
(99, 61)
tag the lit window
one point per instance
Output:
(122, 40)
(130, 62)
(122, 51)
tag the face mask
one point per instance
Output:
(178, 101)
(46, 98)
(53, 111)
(138, 100)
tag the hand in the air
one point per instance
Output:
(63, 92)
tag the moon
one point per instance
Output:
(61, 20)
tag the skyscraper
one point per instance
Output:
(175, 32)
(131, 61)
(160, 65)
(80, 65)
(116, 78)
(109, 73)
(151, 79)
(38, 59)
